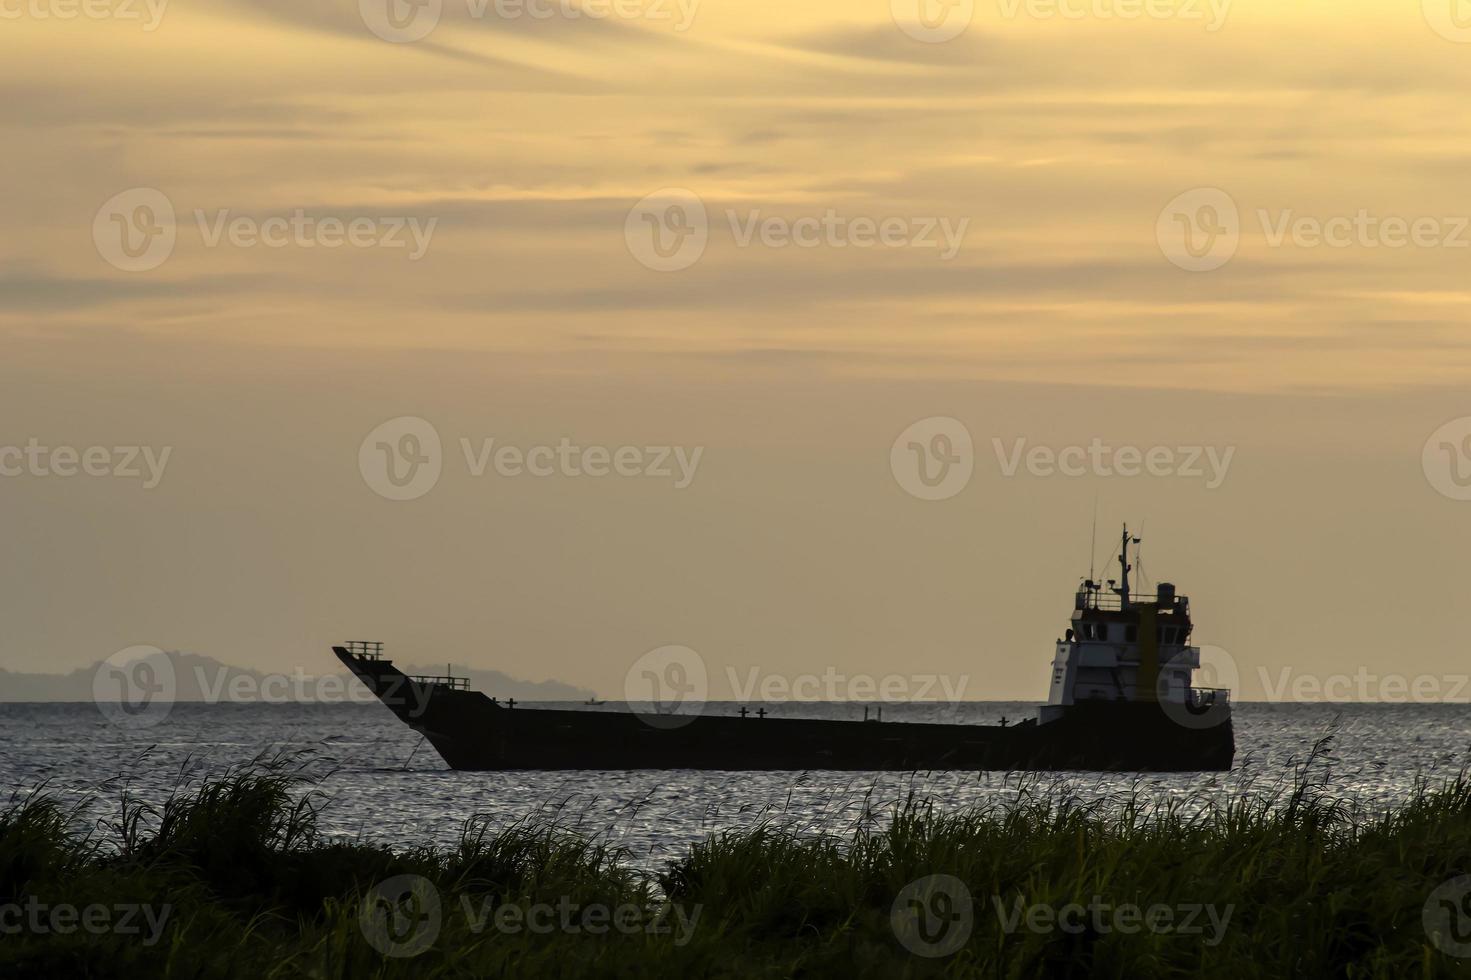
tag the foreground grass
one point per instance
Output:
(230, 878)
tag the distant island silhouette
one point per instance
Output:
(200, 678)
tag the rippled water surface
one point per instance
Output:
(383, 784)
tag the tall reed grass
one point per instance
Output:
(1307, 885)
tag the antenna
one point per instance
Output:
(1139, 554)
(1093, 541)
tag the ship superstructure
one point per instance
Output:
(1122, 646)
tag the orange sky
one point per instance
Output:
(1047, 176)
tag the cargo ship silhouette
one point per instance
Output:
(1121, 700)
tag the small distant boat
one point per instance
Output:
(1121, 700)
(594, 701)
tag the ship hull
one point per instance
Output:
(472, 732)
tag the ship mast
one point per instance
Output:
(1124, 566)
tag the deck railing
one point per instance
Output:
(1111, 602)
(1206, 697)
(365, 649)
(443, 680)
